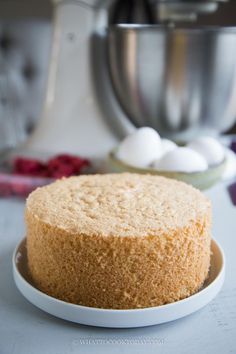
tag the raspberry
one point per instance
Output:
(29, 167)
(63, 165)
(66, 165)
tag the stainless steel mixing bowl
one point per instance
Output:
(180, 81)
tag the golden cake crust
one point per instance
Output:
(117, 205)
(118, 240)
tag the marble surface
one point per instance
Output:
(24, 329)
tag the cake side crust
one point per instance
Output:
(119, 272)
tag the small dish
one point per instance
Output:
(200, 180)
(118, 318)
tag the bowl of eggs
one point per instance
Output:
(201, 162)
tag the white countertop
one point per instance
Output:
(24, 329)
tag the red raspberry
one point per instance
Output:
(66, 165)
(63, 165)
(30, 167)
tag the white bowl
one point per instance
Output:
(201, 180)
(118, 318)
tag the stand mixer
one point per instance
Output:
(105, 80)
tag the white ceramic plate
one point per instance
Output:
(118, 318)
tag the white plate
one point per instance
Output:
(119, 318)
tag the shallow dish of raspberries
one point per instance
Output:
(21, 175)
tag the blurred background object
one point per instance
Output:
(12, 124)
(58, 85)
(25, 42)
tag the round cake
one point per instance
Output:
(118, 241)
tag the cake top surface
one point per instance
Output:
(118, 205)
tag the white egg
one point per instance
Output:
(141, 148)
(181, 159)
(167, 145)
(210, 148)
